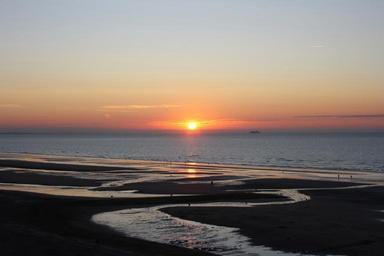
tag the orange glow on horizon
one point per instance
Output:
(191, 173)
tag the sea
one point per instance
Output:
(334, 151)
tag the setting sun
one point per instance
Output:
(192, 125)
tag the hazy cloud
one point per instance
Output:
(343, 116)
(9, 106)
(128, 108)
(318, 46)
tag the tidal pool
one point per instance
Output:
(154, 225)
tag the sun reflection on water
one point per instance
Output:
(191, 173)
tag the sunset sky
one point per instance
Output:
(226, 64)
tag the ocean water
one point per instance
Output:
(339, 151)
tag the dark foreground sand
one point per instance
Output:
(342, 222)
(21, 177)
(347, 222)
(58, 166)
(36, 224)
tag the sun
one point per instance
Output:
(192, 125)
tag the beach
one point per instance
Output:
(340, 215)
(166, 128)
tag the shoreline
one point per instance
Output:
(200, 164)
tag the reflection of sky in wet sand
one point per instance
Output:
(152, 171)
(191, 173)
(155, 225)
(73, 191)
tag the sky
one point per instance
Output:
(227, 64)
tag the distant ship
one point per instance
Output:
(254, 132)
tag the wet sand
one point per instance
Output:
(337, 222)
(35, 224)
(56, 166)
(24, 177)
(343, 221)
(179, 187)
